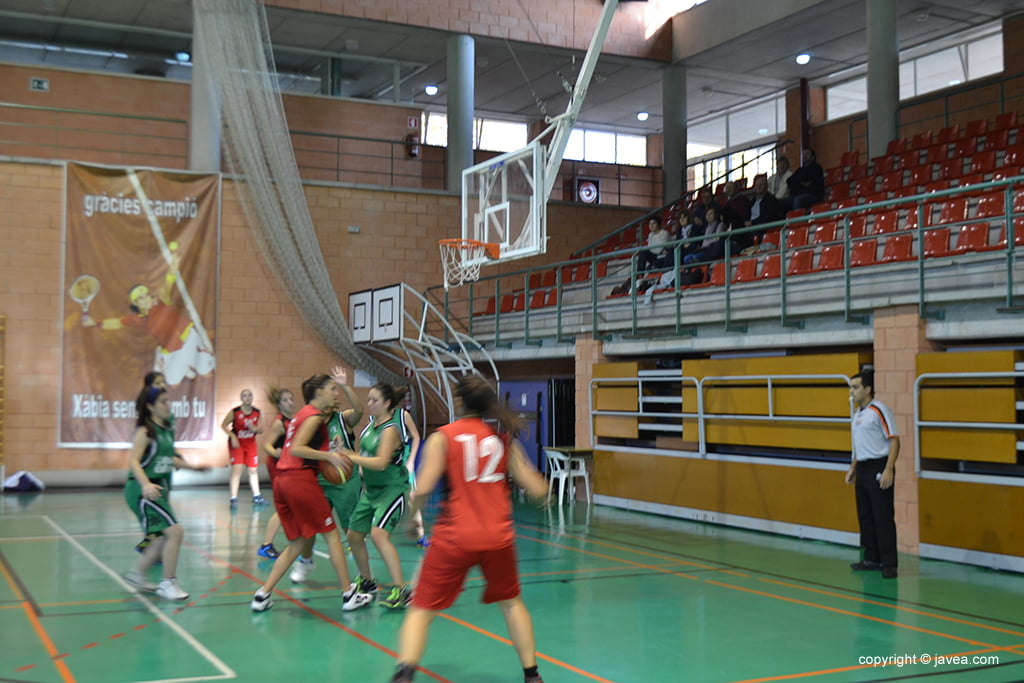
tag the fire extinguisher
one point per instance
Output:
(412, 145)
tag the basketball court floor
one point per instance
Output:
(615, 596)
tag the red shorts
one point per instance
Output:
(245, 454)
(301, 504)
(444, 571)
(271, 468)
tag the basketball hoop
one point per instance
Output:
(462, 259)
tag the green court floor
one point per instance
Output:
(615, 596)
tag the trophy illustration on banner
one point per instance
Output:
(83, 290)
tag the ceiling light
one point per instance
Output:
(762, 131)
(803, 58)
(430, 89)
(182, 56)
(642, 116)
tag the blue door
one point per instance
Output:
(529, 402)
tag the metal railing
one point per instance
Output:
(702, 417)
(920, 424)
(851, 304)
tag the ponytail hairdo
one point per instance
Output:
(478, 398)
(309, 387)
(390, 394)
(275, 394)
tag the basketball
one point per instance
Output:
(336, 475)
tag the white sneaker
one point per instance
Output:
(170, 590)
(357, 600)
(139, 582)
(301, 569)
(261, 603)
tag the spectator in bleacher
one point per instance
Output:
(736, 211)
(764, 209)
(777, 184)
(807, 184)
(687, 228)
(712, 247)
(706, 200)
(655, 256)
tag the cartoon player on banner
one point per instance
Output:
(183, 347)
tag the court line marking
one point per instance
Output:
(548, 658)
(861, 667)
(41, 633)
(893, 605)
(21, 539)
(225, 670)
(540, 655)
(989, 647)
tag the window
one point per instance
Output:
(943, 68)
(488, 134)
(602, 147)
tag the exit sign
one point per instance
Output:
(39, 84)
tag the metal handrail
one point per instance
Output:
(700, 415)
(919, 423)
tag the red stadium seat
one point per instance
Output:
(537, 299)
(975, 128)
(800, 262)
(489, 309)
(1018, 231)
(936, 186)
(886, 164)
(971, 179)
(983, 162)
(847, 203)
(824, 233)
(898, 248)
(896, 146)
(839, 191)
(936, 154)
(920, 175)
(858, 226)
(1014, 156)
(533, 282)
(885, 222)
(831, 258)
(996, 140)
(973, 237)
(548, 279)
(746, 270)
(796, 237)
(922, 140)
(936, 242)
(1005, 120)
(771, 267)
(796, 213)
(891, 181)
(909, 159)
(717, 275)
(965, 147)
(951, 211)
(821, 207)
(507, 302)
(951, 169)
(948, 134)
(863, 253)
(834, 176)
(990, 205)
(850, 158)
(1007, 172)
(858, 171)
(863, 187)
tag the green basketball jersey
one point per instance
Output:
(392, 475)
(158, 459)
(337, 433)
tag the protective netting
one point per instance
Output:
(232, 40)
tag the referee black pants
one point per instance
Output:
(876, 512)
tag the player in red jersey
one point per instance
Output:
(242, 424)
(273, 441)
(300, 502)
(475, 523)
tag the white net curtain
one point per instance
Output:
(232, 39)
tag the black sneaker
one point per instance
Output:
(865, 566)
(889, 573)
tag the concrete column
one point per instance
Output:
(204, 125)
(899, 337)
(883, 75)
(461, 62)
(673, 105)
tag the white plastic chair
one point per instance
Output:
(564, 469)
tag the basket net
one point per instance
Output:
(462, 259)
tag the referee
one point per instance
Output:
(876, 446)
